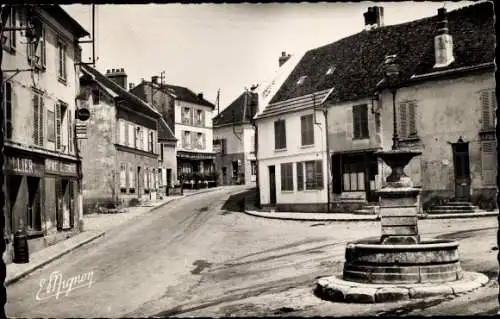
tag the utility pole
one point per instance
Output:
(218, 101)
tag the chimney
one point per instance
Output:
(200, 96)
(154, 79)
(443, 42)
(283, 58)
(374, 18)
(118, 76)
(131, 86)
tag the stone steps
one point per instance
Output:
(454, 208)
(368, 210)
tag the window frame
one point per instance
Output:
(360, 122)
(280, 135)
(307, 130)
(407, 126)
(62, 73)
(287, 184)
(352, 166)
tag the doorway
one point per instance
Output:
(272, 185)
(169, 177)
(461, 170)
(224, 175)
(139, 190)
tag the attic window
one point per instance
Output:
(302, 80)
(330, 70)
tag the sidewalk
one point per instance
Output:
(354, 217)
(94, 226)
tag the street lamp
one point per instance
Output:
(391, 75)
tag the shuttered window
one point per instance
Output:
(279, 135)
(61, 70)
(60, 115)
(307, 129)
(38, 112)
(287, 176)
(126, 132)
(488, 105)
(131, 135)
(407, 119)
(489, 163)
(145, 138)
(360, 121)
(8, 106)
(300, 176)
(123, 178)
(131, 179)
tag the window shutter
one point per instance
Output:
(412, 118)
(403, 125)
(356, 121)
(283, 177)
(276, 135)
(300, 176)
(319, 174)
(202, 118)
(303, 130)
(337, 173)
(493, 107)
(489, 169)
(363, 109)
(36, 115)
(125, 132)
(58, 126)
(8, 93)
(485, 107)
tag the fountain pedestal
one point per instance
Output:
(398, 265)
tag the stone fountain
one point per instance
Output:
(398, 265)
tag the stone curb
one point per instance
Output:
(337, 290)
(16, 277)
(35, 266)
(317, 218)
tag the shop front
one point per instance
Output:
(24, 194)
(61, 182)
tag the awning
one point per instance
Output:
(195, 155)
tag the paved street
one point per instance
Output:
(198, 256)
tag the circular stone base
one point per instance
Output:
(334, 288)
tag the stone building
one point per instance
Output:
(234, 139)
(120, 156)
(444, 106)
(40, 156)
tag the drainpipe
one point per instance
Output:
(328, 168)
(79, 174)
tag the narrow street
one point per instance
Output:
(199, 256)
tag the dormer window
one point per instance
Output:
(330, 70)
(301, 80)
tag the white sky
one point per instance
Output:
(228, 46)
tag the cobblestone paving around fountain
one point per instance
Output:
(333, 288)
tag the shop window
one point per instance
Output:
(353, 173)
(34, 214)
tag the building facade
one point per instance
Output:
(40, 155)
(234, 141)
(120, 155)
(445, 70)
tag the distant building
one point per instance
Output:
(189, 116)
(446, 65)
(234, 138)
(40, 156)
(120, 156)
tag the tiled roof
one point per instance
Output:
(357, 60)
(296, 104)
(164, 131)
(184, 94)
(102, 80)
(239, 111)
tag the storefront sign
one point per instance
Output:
(21, 165)
(57, 167)
(195, 156)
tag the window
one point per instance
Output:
(37, 51)
(95, 97)
(199, 117)
(223, 146)
(145, 181)
(137, 136)
(253, 167)
(145, 137)
(8, 99)
(131, 135)
(131, 180)
(61, 108)
(407, 119)
(353, 173)
(200, 141)
(279, 135)
(488, 162)
(307, 129)
(488, 105)
(122, 131)
(150, 141)
(186, 139)
(9, 37)
(360, 121)
(287, 176)
(61, 59)
(161, 152)
(123, 178)
(70, 131)
(186, 116)
(38, 110)
(310, 175)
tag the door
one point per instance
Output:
(272, 185)
(462, 171)
(169, 177)
(34, 218)
(138, 182)
(224, 175)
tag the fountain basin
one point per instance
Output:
(429, 261)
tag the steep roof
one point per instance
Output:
(65, 19)
(184, 94)
(165, 132)
(353, 65)
(116, 90)
(239, 111)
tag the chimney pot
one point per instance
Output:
(108, 71)
(122, 69)
(200, 96)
